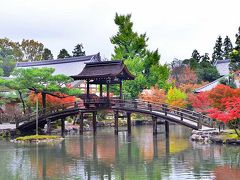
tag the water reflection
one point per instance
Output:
(106, 156)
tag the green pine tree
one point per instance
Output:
(227, 47)
(63, 54)
(235, 54)
(47, 54)
(143, 63)
(78, 51)
(217, 50)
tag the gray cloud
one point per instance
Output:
(174, 27)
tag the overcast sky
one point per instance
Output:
(175, 27)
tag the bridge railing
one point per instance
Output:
(48, 111)
(167, 110)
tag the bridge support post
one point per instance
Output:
(200, 122)
(167, 129)
(154, 122)
(129, 122)
(94, 122)
(116, 122)
(81, 123)
(63, 127)
(17, 122)
(48, 126)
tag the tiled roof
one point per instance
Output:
(91, 58)
(210, 85)
(106, 69)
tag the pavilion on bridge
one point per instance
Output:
(103, 73)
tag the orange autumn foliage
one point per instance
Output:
(154, 95)
(50, 100)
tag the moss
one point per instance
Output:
(229, 134)
(36, 137)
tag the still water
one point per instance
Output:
(105, 156)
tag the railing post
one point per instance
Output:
(135, 104)
(200, 121)
(165, 109)
(149, 107)
(181, 114)
(75, 105)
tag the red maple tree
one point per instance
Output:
(200, 102)
(51, 100)
(230, 112)
(222, 91)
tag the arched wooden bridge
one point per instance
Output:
(158, 112)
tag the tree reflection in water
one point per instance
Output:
(106, 156)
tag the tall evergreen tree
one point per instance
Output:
(127, 44)
(237, 42)
(217, 50)
(235, 54)
(47, 54)
(132, 48)
(196, 55)
(63, 54)
(78, 51)
(227, 47)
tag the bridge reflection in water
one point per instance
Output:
(104, 156)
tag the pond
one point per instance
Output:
(106, 156)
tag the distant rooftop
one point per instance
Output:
(91, 58)
(67, 66)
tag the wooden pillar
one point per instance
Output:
(94, 122)
(63, 127)
(101, 90)
(49, 129)
(107, 91)
(116, 122)
(200, 121)
(154, 122)
(16, 120)
(129, 122)
(88, 90)
(81, 123)
(120, 89)
(167, 129)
